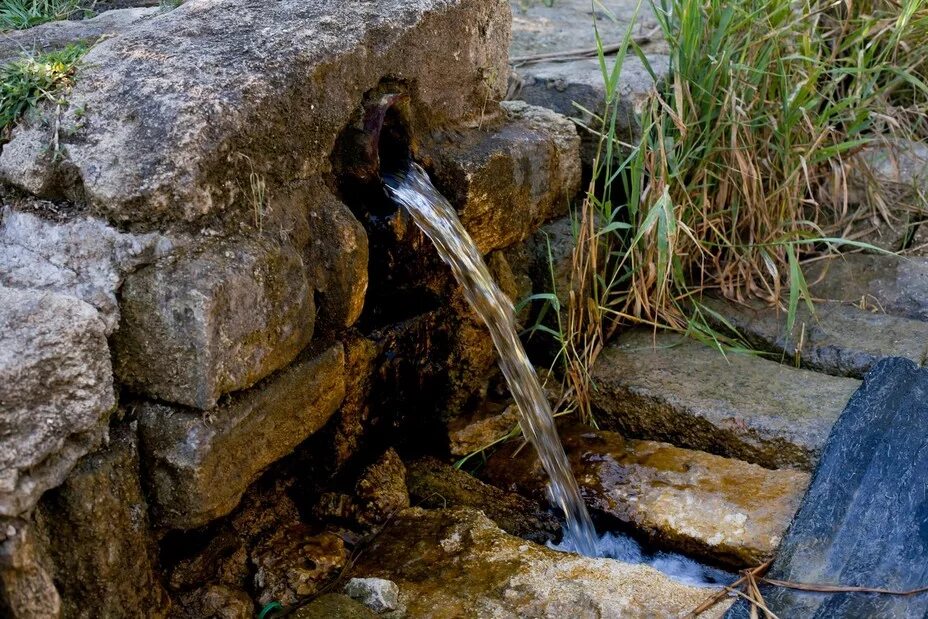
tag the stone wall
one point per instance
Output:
(193, 297)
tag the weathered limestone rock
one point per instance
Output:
(489, 423)
(162, 128)
(81, 257)
(888, 284)
(56, 391)
(336, 260)
(294, 563)
(200, 325)
(689, 501)
(381, 489)
(334, 605)
(572, 82)
(215, 602)
(862, 523)
(378, 594)
(96, 525)
(59, 34)
(667, 387)
(433, 484)
(26, 587)
(195, 467)
(839, 339)
(351, 418)
(457, 563)
(505, 182)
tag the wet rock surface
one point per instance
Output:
(457, 563)
(670, 388)
(434, 484)
(508, 181)
(200, 325)
(839, 339)
(194, 465)
(59, 34)
(720, 509)
(26, 585)
(97, 535)
(214, 602)
(862, 522)
(295, 562)
(332, 605)
(56, 389)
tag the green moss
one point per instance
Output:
(27, 82)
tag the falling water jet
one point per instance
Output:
(410, 187)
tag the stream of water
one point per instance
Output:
(438, 219)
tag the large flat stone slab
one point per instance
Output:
(670, 388)
(197, 468)
(168, 121)
(457, 563)
(56, 391)
(880, 283)
(862, 523)
(838, 339)
(213, 320)
(508, 181)
(721, 509)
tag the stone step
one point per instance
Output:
(720, 509)
(887, 284)
(670, 388)
(839, 339)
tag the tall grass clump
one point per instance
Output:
(21, 14)
(740, 170)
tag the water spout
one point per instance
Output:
(411, 187)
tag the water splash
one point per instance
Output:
(438, 219)
(682, 569)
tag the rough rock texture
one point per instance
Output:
(897, 170)
(162, 128)
(671, 388)
(376, 593)
(862, 523)
(82, 257)
(381, 489)
(457, 563)
(888, 284)
(488, 424)
(434, 484)
(215, 602)
(336, 260)
(59, 34)
(196, 326)
(26, 587)
(294, 563)
(334, 605)
(96, 524)
(195, 467)
(508, 181)
(722, 509)
(572, 82)
(56, 390)
(839, 339)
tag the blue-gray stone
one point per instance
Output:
(864, 520)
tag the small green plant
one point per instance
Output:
(21, 14)
(26, 82)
